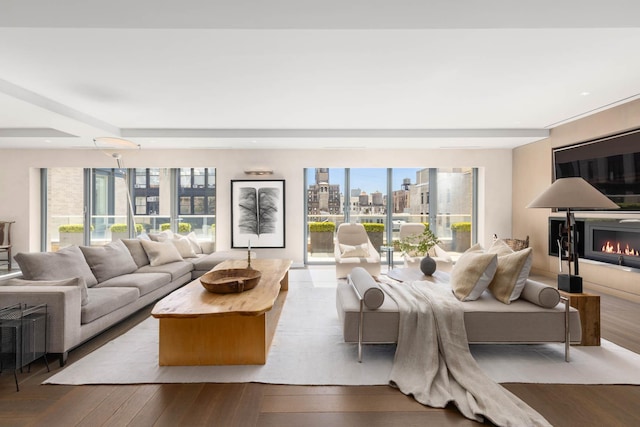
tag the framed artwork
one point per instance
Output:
(257, 214)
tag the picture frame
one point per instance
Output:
(258, 213)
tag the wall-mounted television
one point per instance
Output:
(610, 164)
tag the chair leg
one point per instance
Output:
(9, 259)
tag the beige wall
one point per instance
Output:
(19, 182)
(532, 173)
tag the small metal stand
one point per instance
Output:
(23, 337)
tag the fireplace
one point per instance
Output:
(613, 242)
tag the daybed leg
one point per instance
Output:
(567, 334)
(360, 326)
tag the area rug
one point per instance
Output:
(308, 349)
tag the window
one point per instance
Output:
(441, 197)
(157, 204)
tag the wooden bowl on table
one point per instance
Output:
(233, 280)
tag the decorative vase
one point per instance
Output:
(428, 265)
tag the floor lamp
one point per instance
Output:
(571, 193)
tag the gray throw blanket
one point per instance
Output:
(433, 362)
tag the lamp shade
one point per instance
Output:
(572, 193)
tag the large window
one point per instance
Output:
(182, 200)
(388, 198)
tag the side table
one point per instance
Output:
(588, 305)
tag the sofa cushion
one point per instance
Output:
(137, 251)
(183, 246)
(472, 274)
(371, 294)
(76, 281)
(511, 275)
(145, 282)
(175, 269)
(67, 263)
(110, 260)
(160, 253)
(103, 301)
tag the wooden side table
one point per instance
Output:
(589, 307)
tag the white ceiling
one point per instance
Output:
(310, 74)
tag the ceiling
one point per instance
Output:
(310, 74)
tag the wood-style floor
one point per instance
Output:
(274, 405)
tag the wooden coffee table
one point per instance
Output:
(198, 327)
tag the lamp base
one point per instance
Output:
(569, 283)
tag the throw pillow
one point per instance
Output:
(110, 260)
(66, 263)
(500, 248)
(475, 248)
(193, 241)
(184, 247)
(162, 236)
(372, 295)
(75, 281)
(358, 251)
(540, 294)
(160, 253)
(472, 274)
(137, 251)
(511, 275)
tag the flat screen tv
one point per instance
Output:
(610, 164)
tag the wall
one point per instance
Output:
(19, 182)
(532, 174)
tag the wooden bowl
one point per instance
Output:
(233, 280)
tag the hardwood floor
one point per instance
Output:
(276, 405)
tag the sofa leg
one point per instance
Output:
(63, 358)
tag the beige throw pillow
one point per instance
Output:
(472, 274)
(160, 253)
(500, 248)
(193, 241)
(511, 275)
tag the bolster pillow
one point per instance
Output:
(371, 293)
(540, 294)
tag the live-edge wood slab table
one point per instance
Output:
(198, 327)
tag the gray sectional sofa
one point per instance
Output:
(89, 289)
(537, 316)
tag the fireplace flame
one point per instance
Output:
(616, 249)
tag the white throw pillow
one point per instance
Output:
(160, 253)
(162, 236)
(184, 247)
(472, 274)
(358, 251)
(193, 241)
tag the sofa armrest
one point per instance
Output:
(63, 308)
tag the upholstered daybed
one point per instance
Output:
(537, 314)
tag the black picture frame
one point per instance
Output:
(258, 213)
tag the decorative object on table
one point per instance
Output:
(571, 193)
(257, 213)
(234, 280)
(5, 240)
(421, 244)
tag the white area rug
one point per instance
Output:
(308, 349)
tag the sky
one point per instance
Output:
(367, 179)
